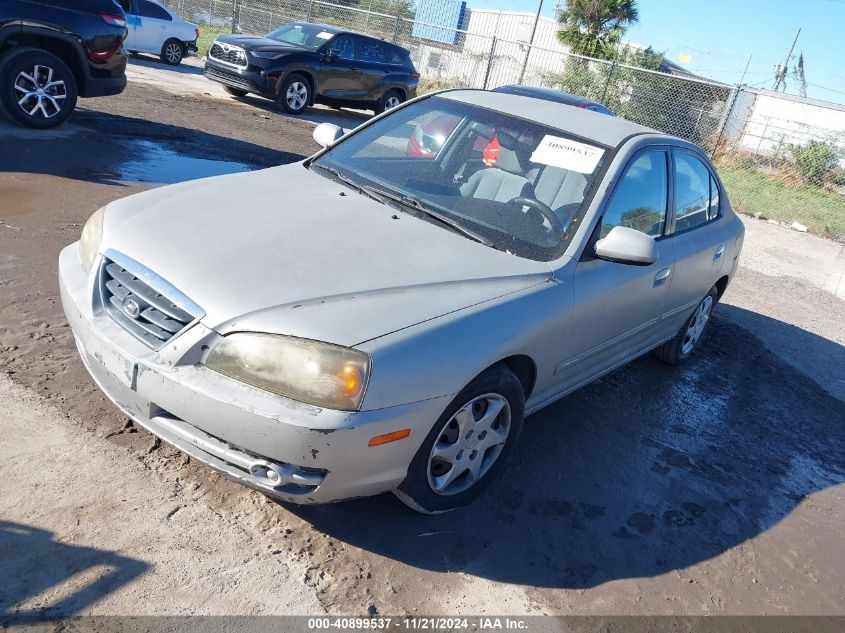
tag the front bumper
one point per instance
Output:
(246, 79)
(285, 449)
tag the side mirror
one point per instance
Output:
(327, 134)
(627, 246)
(331, 54)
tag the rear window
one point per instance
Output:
(371, 51)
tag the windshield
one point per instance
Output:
(513, 184)
(306, 35)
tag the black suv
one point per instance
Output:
(300, 64)
(52, 51)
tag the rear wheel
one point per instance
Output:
(295, 94)
(389, 100)
(680, 348)
(37, 89)
(235, 92)
(172, 52)
(468, 445)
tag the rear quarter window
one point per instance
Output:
(398, 57)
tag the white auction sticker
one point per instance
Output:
(324, 35)
(567, 154)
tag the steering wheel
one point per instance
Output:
(542, 208)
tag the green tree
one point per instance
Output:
(595, 27)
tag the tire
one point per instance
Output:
(51, 75)
(681, 348)
(389, 100)
(295, 94)
(428, 487)
(172, 52)
(235, 92)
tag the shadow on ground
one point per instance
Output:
(652, 468)
(120, 149)
(148, 60)
(44, 578)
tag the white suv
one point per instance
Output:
(154, 28)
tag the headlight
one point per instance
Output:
(266, 54)
(89, 241)
(309, 371)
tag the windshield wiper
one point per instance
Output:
(406, 202)
(346, 180)
(413, 203)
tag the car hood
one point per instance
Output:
(250, 43)
(287, 251)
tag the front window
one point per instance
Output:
(513, 184)
(305, 35)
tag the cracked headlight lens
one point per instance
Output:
(89, 241)
(318, 373)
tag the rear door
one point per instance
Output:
(152, 27)
(340, 77)
(618, 307)
(698, 234)
(372, 61)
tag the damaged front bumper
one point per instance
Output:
(286, 449)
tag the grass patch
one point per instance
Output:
(207, 35)
(752, 191)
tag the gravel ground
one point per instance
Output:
(716, 488)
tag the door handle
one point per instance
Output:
(720, 250)
(662, 276)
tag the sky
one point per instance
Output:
(715, 38)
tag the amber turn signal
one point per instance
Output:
(389, 437)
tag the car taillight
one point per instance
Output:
(197, 32)
(113, 20)
(415, 75)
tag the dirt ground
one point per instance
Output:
(716, 488)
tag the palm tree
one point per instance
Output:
(594, 27)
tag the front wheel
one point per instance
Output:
(172, 52)
(389, 100)
(37, 89)
(680, 348)
(469, 444)
(295, 94)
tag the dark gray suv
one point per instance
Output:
(301, 64)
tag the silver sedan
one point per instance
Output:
(383, 315)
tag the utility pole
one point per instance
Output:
(780, 74)
(531, 41)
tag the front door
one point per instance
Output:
(618, 307)
(340, 77)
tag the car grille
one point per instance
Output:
(226, 78)
(234, 56)
(151, 316)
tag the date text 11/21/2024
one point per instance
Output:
(418, 623)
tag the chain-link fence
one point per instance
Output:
(783, 158)
(786, 166)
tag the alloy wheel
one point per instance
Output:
(173, 53)
(392, 102)
(38, 94)
(469, 444)
(696, 325)
(297, 95)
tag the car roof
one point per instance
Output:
(337, 30)
(608, 131)
(544, 93)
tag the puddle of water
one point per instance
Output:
(160, 165)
